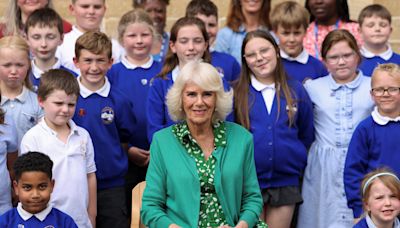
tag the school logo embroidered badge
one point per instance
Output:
(82, 112)
(144, 81)
(107, 115)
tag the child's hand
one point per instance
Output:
(138, 156)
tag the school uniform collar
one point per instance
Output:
(175, 73)
(42, 123)
(132, 66)
(103, 91)
(21, 98)
(301, 58)
(27, 215)
(37, 73)
(76, 31)
(371, 224)
(351, 85)
(257, 85)
(382, 120)
(386, 55)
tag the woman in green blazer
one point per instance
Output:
(201, 171)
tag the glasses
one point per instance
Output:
(334, 59)
(252, 56)
(392, 91)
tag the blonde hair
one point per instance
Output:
(392, 69)
(205, 76)
(289, 14)
(12, 18)
(18, 43)
(135, 16)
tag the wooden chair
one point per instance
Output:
(137, 193)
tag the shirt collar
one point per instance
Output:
(25, 215)
(132, 66)
(76, 31)
(21, 98)
(351, 85)
(71, 124)
(386, 55)
(175, 73)
(182, 133)
(103, 91)
(301, 58)
(382, 120)
(257, 85)
(371, 224)
(37, 73)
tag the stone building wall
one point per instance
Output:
(115, 8)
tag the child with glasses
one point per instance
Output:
(340, 102)
(375, 141)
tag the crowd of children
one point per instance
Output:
(319, 92)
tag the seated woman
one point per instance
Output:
(201, 171)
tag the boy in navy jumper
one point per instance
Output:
(375, 142)
(108, 116)
(33, 185)
(207, 11)
(375, 28)
(289, 21)
(44, 33)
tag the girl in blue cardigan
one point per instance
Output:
(278, 112)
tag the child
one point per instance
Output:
(327, 16)
(381, 199)
(289, 21)
(375, 141)
(8, 154)
(207, 11)
(132, 76)
(188, 42)
(375, 27)
(67, 145)
(88, 15)
(265, 97)
(33, 185)
(44, 33)
(340, 103)
(17, 98)
(107, 114)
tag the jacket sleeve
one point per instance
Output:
(154, 196)
(155, 109)
(355, 168)
(305, 120)
(251, 198)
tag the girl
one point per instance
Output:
(341, 100)
(278, 112)
(8, 154)
(243, 16)
(188, 42)
(17, 98)
(18, 11)
(326, 16)
(132, 76)
(381, 200)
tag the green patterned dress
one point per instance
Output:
(211, 213)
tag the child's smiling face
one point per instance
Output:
(389, 102)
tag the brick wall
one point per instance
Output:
(115, 8)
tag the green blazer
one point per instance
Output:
(172, 193)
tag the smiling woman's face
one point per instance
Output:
(28, 6)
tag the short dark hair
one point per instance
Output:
(57, 79)
(45, 17)
(140, 3)
(31, 162)
(205, 7)
(374, 10)
(95, 42)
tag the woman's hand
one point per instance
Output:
(242, 224)
(173, 226)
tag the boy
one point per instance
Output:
(207, 11)
(33, 186)
(289, 21)
(88, 15)
(375, 28)
(68, 146)
(108, 116)
(44, 33)
(375, 142)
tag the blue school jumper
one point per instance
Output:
(36, 81)
(367, 222)
(280, 151)
(135, 84)
(109, 121)
(370, 61)
(55, 219)
(372, 145)
(226, 65)
(311, 70)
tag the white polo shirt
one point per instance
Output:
(72, 162)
